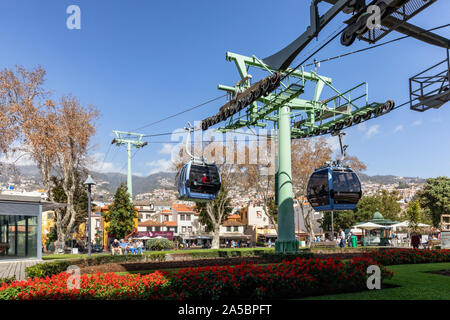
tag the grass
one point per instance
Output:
(413, 281)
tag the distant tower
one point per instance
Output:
(130, 139)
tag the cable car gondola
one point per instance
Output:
(198, 180)
(334, 187)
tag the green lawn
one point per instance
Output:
(413, 281)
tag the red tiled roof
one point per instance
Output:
(150, 223)
(228, 223)
(179, 207)
(234, 216)
(166, 211)
(170, 223)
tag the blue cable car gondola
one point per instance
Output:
(334, 188)
(198, 181)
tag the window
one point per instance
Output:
(18, 236)
(182, 218)
(236, 229)
(183, 229)
(189, 229)
(318, 189)
(166, 218)
(188, 217)
(228, 229)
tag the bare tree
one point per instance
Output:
(21, 96)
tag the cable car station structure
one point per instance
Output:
(276, 100)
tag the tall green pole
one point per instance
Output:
(130, 139)
(129, 182)
(286, 242)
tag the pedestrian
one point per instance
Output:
(342, 234)
(415, 240)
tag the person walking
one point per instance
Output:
(342, 234)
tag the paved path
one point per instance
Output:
(16, 268)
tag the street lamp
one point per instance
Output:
(89, 183)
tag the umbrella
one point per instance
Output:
(406, 224)
(144, 238)
(370, 226)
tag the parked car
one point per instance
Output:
(97, 248)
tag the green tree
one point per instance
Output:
(414, 214)
(435, 198)
(388, 204)
(120, 214)
(384, 201)
(341, 220)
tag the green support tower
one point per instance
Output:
(130, 139)
(293, 117)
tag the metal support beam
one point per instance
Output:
(286, 241)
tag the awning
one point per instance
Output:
(234, 236)
(370, 226)
(406, 224)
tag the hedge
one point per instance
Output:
(50, 268)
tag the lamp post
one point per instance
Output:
(89, 183)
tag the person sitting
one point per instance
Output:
(139, 246)
(131, 247)
(123, 247)
(204, 179)
(115, 247)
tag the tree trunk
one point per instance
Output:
(216, 237)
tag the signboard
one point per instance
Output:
(154, 234)
(445, 240)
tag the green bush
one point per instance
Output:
(96, 260)
(159, 244)
(42, 270)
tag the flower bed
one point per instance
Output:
(388, 257)
(296, 278)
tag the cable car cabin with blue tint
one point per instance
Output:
(334, 189)
(198, 181)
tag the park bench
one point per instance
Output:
(433, 243)
(323, 244)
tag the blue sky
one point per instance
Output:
(140, 61)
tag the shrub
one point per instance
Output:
(48, 269)
(408, 256)
(159, 244)
(42, 270)
(99, 286)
